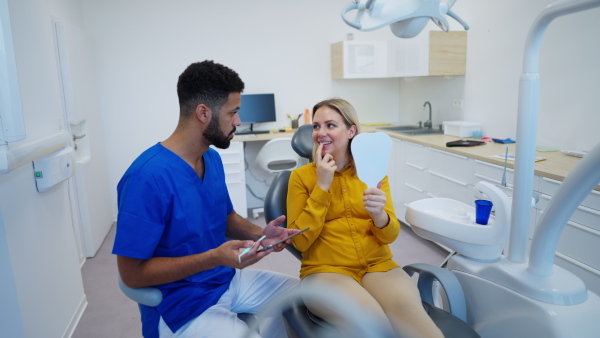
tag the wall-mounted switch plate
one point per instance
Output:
(457, 104)
(53, 168)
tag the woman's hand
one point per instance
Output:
(325, 169)
(374, 200)
(273, 233)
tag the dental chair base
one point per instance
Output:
(495, 310)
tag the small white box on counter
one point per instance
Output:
(461, 128)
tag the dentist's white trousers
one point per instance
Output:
(250, 291)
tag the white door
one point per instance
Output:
(89, 191)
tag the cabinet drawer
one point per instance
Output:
(234, 167)
(491, 173)
(580, 243)
(450, 165)
(415, 176)
(583, 215)
(550, 187)
(232, 158)
(235, 176)
(416, 154)
(413, 193)
(440, 186)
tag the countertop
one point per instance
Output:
(556, 166)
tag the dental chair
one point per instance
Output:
(305, 324)
(150, 297)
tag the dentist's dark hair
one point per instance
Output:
(208, 83)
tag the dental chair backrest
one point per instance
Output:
(276, 198)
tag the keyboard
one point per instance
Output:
(243, 136)
(253, 132)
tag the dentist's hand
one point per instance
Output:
(325, 168)
(230, 251)
(374, 200)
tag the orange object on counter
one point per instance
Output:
(307, 116)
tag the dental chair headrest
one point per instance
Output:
(302, 141)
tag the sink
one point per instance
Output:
(412, 130)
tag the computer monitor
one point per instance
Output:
(257, 108)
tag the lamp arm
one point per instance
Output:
(529, 90)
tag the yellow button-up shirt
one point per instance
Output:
(342, 238)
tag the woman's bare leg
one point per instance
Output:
(399, 297)
(351, 289)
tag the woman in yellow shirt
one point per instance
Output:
(350, 229)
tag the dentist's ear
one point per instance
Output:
(203, 113)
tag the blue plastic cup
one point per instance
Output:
(483, 208)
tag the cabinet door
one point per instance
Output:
(408, 57)
(233, 164)
(358, 59)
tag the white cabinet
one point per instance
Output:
(396, 176)
(429, 54)
(358, 59)
(424, 172)
(449, 176)
(233, 163)
(577, 249)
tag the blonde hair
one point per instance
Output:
(345, 109)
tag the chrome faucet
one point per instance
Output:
(428, 124)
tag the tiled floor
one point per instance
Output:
(111, 314)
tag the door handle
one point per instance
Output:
(77, 137)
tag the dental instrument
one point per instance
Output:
(406, 18)
(248, 249)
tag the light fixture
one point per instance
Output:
(406, 18)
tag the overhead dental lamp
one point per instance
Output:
(406, 18)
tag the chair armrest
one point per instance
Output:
(148, 296)
(454, 292)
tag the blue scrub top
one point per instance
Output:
(166, 210)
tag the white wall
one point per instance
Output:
(280, 47)
(37, 233)
(570, 77)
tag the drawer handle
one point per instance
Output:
(578, 263)
(487, 178)
(584, 228)
(551, 180)
(414, 166)
(449, 179)
(414, 188)
(581, 207)
(447, 153)
(493, 166)
(591, 211)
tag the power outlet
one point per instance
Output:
(457, 104)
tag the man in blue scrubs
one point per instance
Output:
(174, 214)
